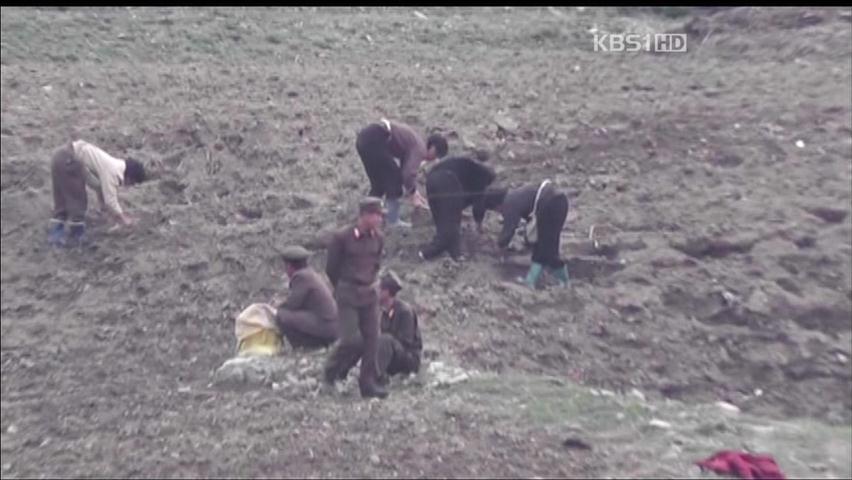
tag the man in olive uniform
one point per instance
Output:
(354, 259)
(399, 344)
(308, 318)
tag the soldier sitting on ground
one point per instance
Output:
(308, 318)
(399, 343)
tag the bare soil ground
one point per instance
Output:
(718, 181)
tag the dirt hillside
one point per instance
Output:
(717, 182)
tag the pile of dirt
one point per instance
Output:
(716, 180)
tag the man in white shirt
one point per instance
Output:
(72, 168)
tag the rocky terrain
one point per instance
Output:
(709, 241)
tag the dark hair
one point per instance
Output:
(134, 172)
(297, 264)
(392, 289)
(494, 197)
(440, 144)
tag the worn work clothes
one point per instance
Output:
(550, 218)
(104, 173)
(353, 263)
(308, 318)
(359, 334)
(379, 150)
(354, 260)
(68, 175)
(451, 186)
(399, 344)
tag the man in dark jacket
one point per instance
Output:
(549, 208)
(452, 185)
(399, 344)
(308, 318)
(380, 145)
(354, 259)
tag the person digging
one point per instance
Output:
(76, 165)
(543, 210)
(380, 145)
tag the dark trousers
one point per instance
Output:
(305, 329)
(70, 201)
(382, 169)
(447, 200)
(393, 358)
(359, 334)
(549, 222)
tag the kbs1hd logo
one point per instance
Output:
(634, 42)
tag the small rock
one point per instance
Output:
(506, 123)
(293, 94)
(577, 444)
(828, 214)
(12, 429)
(726, 160)
(730, 298)
(636, 393)
(301, 201)
(374, 459)
(47, 88)
(728, 407)
(7, 467)
(660, 423)
(800, 144)
(420, 15)
(807, 19)
(842, 359)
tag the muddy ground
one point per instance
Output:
(718, 182)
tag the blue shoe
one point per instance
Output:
(532, 275)
(56, 234)
(561, 274)
(77, 234)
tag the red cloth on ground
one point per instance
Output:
(744, 465)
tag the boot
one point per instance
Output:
(393, 220)
(561, 274)
(77, 234)
(532, 275)
(56, 233)
(372, 390)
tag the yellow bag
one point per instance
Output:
(262, 343)
(256, 332)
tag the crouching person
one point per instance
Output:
(73, 167)
(308, 318)
(399, 343)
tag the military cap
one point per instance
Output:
(295, 253)
(371, 204)
(391, 282)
